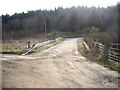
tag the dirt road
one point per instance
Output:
(60, 66)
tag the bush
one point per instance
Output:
(94, 30)
(86, 30)
(90, 30)
(52, 35)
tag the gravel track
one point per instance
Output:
(60, 66)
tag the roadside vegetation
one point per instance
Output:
(19, 48)
(92, 35)
(52, 35)
(48, 46)
(12, 50)
(97, 58)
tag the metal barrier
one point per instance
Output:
(41, 44)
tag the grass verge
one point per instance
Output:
(47, 46)
(97, 58)
(21, 51)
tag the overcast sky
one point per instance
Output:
(18, 6)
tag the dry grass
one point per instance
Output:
(97, 58)
(20, 48)
(48, 45)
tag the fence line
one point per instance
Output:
(112, 53)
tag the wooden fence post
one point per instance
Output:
(28, 44)
(106, 49)
(96, 47)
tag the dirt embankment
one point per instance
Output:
(60, 66)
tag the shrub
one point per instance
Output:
(86, 30)
(94, 30)
(52, 35)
